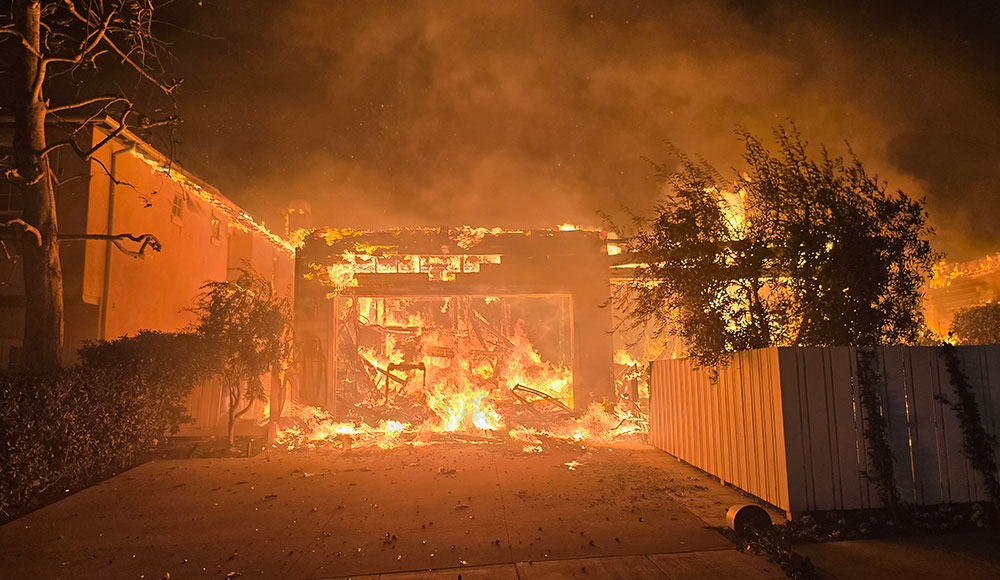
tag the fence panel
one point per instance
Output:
(924, 427)
(784, 423)
(895, 376)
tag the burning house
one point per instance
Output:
(459, 329)
(957, 285)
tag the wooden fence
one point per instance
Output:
(784, 424)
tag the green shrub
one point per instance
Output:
(63, 430)
(168, 365)
(977, 324)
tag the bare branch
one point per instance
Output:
(85, 154)
(6, 254)
(147, 123)
(145, 240)
(146, 198)
(24, 41)
(98, 114)
(86, 46)
(140, 68)
(112, 98)
(25, 227)
(166, 88)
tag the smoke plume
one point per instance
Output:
(531, 114)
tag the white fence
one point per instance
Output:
(784, 424)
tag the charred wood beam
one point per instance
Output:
(362, 365)
(390, 375)
(406, 330)
(410, 367)
(529, 405)
(542, 395)
(485, 325)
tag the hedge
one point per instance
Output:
(67, 428)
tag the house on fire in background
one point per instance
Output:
(109, 293)
(456, 309)
(958, 285)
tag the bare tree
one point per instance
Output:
(61, 41)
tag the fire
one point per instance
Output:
(624, 357)
(412, 369)
(466, 377)
(464, 408)
(599, 424)
(314, 425)
(733, 207)
(570, 227)
(944, 273)
(236, 218)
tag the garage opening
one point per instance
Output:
(430, 333)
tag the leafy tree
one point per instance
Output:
(47, 48)
(977, 324)
(249, 325)
(794, 250)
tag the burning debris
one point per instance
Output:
(309, 426)
(420, 370)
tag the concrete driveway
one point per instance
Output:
(481, 510)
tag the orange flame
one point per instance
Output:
(465, 388)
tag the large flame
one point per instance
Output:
(428, 380)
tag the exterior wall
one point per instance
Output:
(109, 294)
(783, 424)
(154, 292)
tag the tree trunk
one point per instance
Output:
(275, 402)
(43, 329)
(234, 402)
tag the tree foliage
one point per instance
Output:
(249, 326)
(978, 324)
(794, 250)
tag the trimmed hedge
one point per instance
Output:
(104, 414)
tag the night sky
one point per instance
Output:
(530, 114)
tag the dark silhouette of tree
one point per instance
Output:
(50, 42)
(793, 250)
(248, 326)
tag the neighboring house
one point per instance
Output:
(108, 293)
(958, 285)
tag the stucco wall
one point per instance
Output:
(150, 293)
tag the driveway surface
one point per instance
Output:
(482, 510)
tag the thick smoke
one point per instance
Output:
(531, 113)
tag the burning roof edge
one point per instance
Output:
(192, 183)
(444, 240)
(185, 179)
(944, 273)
